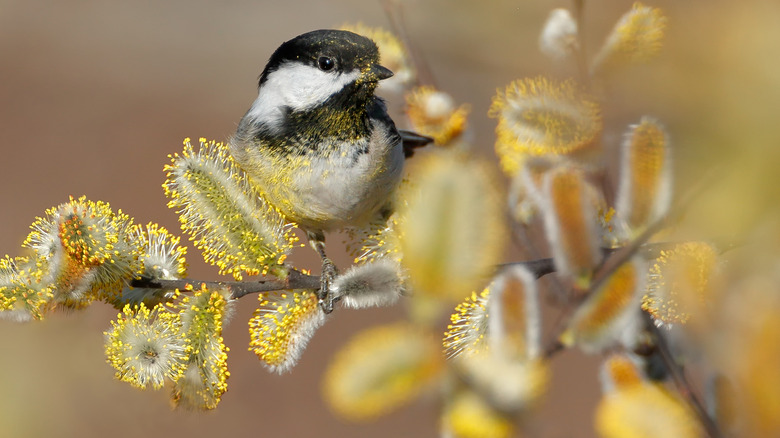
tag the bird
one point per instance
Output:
(319, 144)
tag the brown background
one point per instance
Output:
(95, 94)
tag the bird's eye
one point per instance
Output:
(325, 63)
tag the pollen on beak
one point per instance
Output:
(381, 72)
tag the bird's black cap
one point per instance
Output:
(349, 50)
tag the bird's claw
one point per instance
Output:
(325, 297)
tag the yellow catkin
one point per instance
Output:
(606, 315)
(644, 411)
(567, 195)
(281, 327)
(23, 296)
(85, 250)
(571, 224)
(224, 215)
(205, 378)
(468, 416)
(451, 231)
(622, 372)
(636, 37)
(380, 369)
(648, 156)
(146, 347)
(540, 117)
(679, 282)
(433, 113)
(466, 333)
(644, 191)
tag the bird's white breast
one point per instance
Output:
(343, 189)
(328, 191)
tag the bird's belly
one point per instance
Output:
(333, 191)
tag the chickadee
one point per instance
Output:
(317, 142)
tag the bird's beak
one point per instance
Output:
(381, 72)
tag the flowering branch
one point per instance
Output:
(449, 237)
(619, 256)
(298, 280)
(543, 266)
(294, 280)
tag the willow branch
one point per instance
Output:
(298, 280)
(294, 280)
(680, 380)
(541, 267)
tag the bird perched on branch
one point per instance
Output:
(318, 143)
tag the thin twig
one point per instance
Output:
(580, 52)
(543, 266)
(520, 235)
(395, 14)
(295, 280)
(539, 267)
(684, 386)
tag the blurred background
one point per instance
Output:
(95, 94)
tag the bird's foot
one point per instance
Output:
(329, 273)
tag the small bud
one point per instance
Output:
(619, 372)
(514, 323)
(559, 35)
(505, 316)
(372, 284)
(433, 113)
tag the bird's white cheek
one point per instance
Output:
(298, 87)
